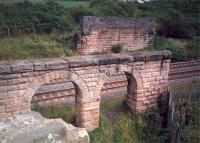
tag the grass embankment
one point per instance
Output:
(26, 47)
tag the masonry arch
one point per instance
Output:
(79, 85)
(134, 87)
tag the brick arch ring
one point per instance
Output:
(45, 79)
(126, 69)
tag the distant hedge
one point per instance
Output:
(43, 15)
(177, 19)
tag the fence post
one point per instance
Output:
(34, 35)
(8, 32)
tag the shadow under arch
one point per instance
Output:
(79, 85)
(134, 87)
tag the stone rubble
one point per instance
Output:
(33, 128)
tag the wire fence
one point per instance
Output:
(178, 106)
(11, 31)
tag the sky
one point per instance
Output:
(142, 1)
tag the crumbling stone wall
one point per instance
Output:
(147, 75)
(99, 34)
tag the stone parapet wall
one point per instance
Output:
(147, 75)
(99, 34)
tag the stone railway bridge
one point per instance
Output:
(147, 76)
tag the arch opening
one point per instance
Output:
(127, 85)
(60, 103)
(132, 92)
(131, 86)
(54, 98)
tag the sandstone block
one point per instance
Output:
(4, 68)
(13, 107)
(22, 66)
(44, 130)
(2, 108)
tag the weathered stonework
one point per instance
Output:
(147, 75)
(33, 128)
(99, 34)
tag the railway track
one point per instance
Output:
(182, 70)
(185, 64)
(179, 70)
(117, 83)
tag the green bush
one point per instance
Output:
(176, 19)
(113, 8)
(175, 46)
(77, 12)
(117, 48)
(179, 27)
(193, 48)
(44, 17)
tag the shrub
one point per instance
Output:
(175, 46)
(117, 48)
(193, 48)
(44, 17)
(178, 28)
(77, 12)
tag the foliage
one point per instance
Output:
(27, 47)
(176, 19)
(27, 14)
(181, 49)
(179, 27)
(137, 128)
(72, 3)
(191, 130)
(175, 46)
(119, 125)
(187, 95)
(193, 48)
(113, 8)
(77, 12)
(100, 135)
(117, 48)
(66, 112)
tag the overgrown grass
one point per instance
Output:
(119, 125)
(191, 132)
(182, 49)
(27, 47)
(178, 23)
(188, 94)
(139, 128)
(66, 112)
(116, 103)
(101, 135)
(124, 129)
